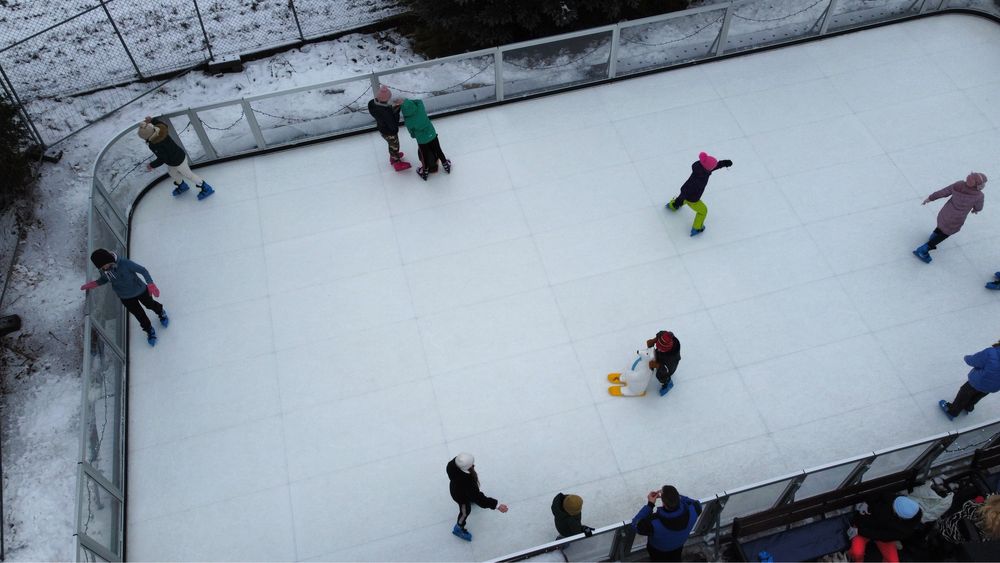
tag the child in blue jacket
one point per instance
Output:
(669, 526)
(984, 378)
(135, 293)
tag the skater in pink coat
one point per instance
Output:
(963, 197)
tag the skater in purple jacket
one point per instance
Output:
(963, 197)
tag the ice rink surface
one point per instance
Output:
(339, 331)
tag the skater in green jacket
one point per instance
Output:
(420, 128)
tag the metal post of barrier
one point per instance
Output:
(923, 462)
(199, 130)
(498, 73)
(621, 545)
(613, 60)
(788, 495)
(208, 44)
(295, 15)
(826, 17)
(724, 32)
(854, 477)
(254, 127)
(120, 38)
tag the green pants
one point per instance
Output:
(700, 212)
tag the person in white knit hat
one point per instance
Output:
(464, 488)
(156, 133)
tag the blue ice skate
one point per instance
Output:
(164, 319)
(666, 388)
(695, 232)
(151, 337)
(462, 533)
(995, 284)
(206, 191)
(924, 253)
(670, 206)
(944, 408)
(180, 188)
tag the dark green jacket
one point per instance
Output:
(416, 121)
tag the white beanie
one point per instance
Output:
(465, 461)
(146, 130)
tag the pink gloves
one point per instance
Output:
(153, 290)
(88, 286)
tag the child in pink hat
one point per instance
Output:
(386, 114)
(694, 187)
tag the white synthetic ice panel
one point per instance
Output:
(339, 330)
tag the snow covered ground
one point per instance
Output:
(41, 378)
(340, 330)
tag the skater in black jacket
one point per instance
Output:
(156, 133)
(386, 114)
(667, 356)
(464, 488)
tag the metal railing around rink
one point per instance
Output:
(255, 124)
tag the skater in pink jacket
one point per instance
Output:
(963, 197)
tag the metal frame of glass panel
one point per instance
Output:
(112, 204)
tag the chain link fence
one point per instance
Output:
(51, 50)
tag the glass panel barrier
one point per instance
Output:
(594, 548)
(854, 14)
(749, 501)
(446, 86)
(122, 170)
(313, 113)
(102, 414)
(103, 207)
(100, 514)
(665, 42)
(103, 306)
(556, 64)
(824, 480)
(893, 461)
(967, 442)
(227, 129)
(755, 24)
(189, 138)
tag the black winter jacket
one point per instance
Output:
(386, 117)
(465, 488)
(166, 150)
(566, 524)
(881, 523)
(694, 187)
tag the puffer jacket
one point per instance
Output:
(465, 488)
(166, 150)
(985, 374)
(416, 121)
(963, 200)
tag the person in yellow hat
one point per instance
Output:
(568, 513)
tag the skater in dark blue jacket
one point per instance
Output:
(133, 292)
(669, 526)
(984, 378)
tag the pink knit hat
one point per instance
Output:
(975, 179)
(709, 162)
(383, 94)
